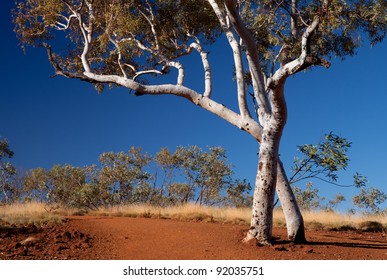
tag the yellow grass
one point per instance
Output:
(29, 213)
(38, 213)
(329, 220)
(186, 212)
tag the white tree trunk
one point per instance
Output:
(262, 213)
(266, 180)
(293, 216)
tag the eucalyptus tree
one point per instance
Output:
(123, 175)
(120, 42)
(7, 173)
(206, 174)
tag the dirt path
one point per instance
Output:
(144, 239)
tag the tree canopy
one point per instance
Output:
(133, 38)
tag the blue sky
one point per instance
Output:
(57, 120)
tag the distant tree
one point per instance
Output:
(68, 188)
(238, 194)
(180, 194)
(7, 173)
(215, 176)
(121, 173)
(36, 184)
(206, 174)
(333, 203)
(169, 164)
(309, 198)
(370, 199)
(119, 42)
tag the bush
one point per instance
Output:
(371, 226)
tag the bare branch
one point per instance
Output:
(139, 73)
(180, 69)
(304, 60)
(294, 18)
(235, 46)
(58, 71)
(247, 124)
(258, 79)
(206, 65)
(151, 23)
(114, 42)
(63, 26)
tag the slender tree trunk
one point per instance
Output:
(293, 216)
(266, 180)
(265, 185)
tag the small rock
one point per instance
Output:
(308, 250)
(29, 241)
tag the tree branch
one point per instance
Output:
(206, 65)
(116, 45)
(241, 86)
(305, 59)
(258, 80)
(58, 71)
(247, 124)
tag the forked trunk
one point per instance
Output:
(266, 180)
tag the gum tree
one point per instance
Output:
(7, 173)
(121, 42)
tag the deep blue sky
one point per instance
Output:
(56, 120)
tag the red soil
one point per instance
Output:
(154, 239)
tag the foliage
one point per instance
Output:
(332, 204)
(238, 194)
(323, 162)
(370, 199)
(36, 185)
(206, 174)
(121, 172)
(7, 173)
(309, 198)
(137, 34)
(123, 31)
(190, 175)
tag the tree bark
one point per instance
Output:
(293, 216)
(266, 179)
(262, 214)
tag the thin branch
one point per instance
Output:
(326, 181)
(139, 73)
(206, 65)
(151, 23)
(294, 19)
(114, 42)
(257, 77)
(58, 71)
(235, 46)
(303, 60)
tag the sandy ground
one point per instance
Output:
(109, 238)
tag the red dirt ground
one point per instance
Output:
(111, 238)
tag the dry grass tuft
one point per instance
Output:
(29, 213)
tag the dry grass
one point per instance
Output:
(29, 213)
(37, 213)
(188, 212)
(338, 221)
